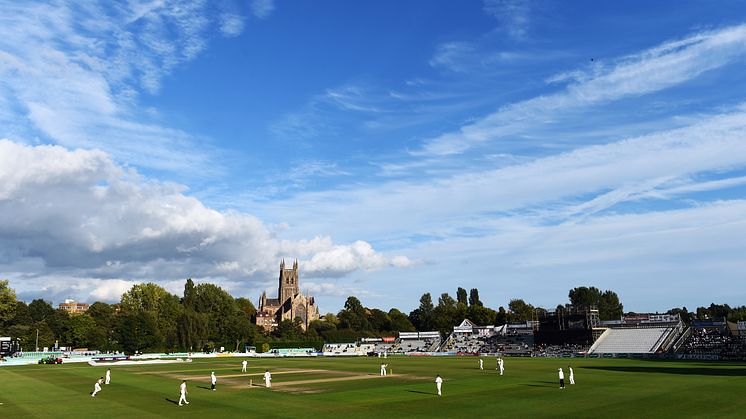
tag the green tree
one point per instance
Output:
(520, 310)
(103, 335)
(400, 322)
(287, 330)
(7, 301)
(461, 296)
(21, 315)
(609, 306)
(46, 335)
(241, 330)
(480, 315)
(422, 318)
(331, 318)
(160, 305)
(103, 314)
(352, 316)
(446, 314)
(474, 298)
(502, 316)
(192, 330)
(58, 323)
(379, 320)
(219, 306)
(319, 327)
(245, 305)
(79, 325)
(189, 301)
(685, 315)
(143, 297)
(139, 332)
(40, 310)
(584, 297)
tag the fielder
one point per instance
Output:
(267, 379)
(481, 364)
(438, 383)
(562, 379)
(501, 365)
(213, 380)
(183, 393)
(108, 376)
(383, 369)
(97, 386)
(572, 376)
(244, 363)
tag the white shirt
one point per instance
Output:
(182, 388)
(561, 374)
(267, 376)
(213, 379)
(438, 381)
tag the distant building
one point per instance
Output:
(290, 304)
(73, 307)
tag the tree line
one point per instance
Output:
(148, 319)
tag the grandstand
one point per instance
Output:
(647, 340)
(340, 349)
(642, 333)
(417, 342)
(377, 346)
(712, 339)
(467, 337)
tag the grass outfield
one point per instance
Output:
(351, 388)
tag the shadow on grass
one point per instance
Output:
(725, 372)
(172, 401)
(420, 392)
(543, 384)
(206, 388)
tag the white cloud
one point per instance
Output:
(262, 8)
(653, 259)
(451, 55)
(568, 186)
(110, 290)
(333, 289)
(513, 15)
(320, 257)
(75, 215)
(71, 73)
(658, 68)
(231, 24)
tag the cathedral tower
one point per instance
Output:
(288, 282)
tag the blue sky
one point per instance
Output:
(519, 147)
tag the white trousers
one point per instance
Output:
(268, 383)
(96, 389)
(438, 385)
(182, 398)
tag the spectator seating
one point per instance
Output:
(631, 340)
